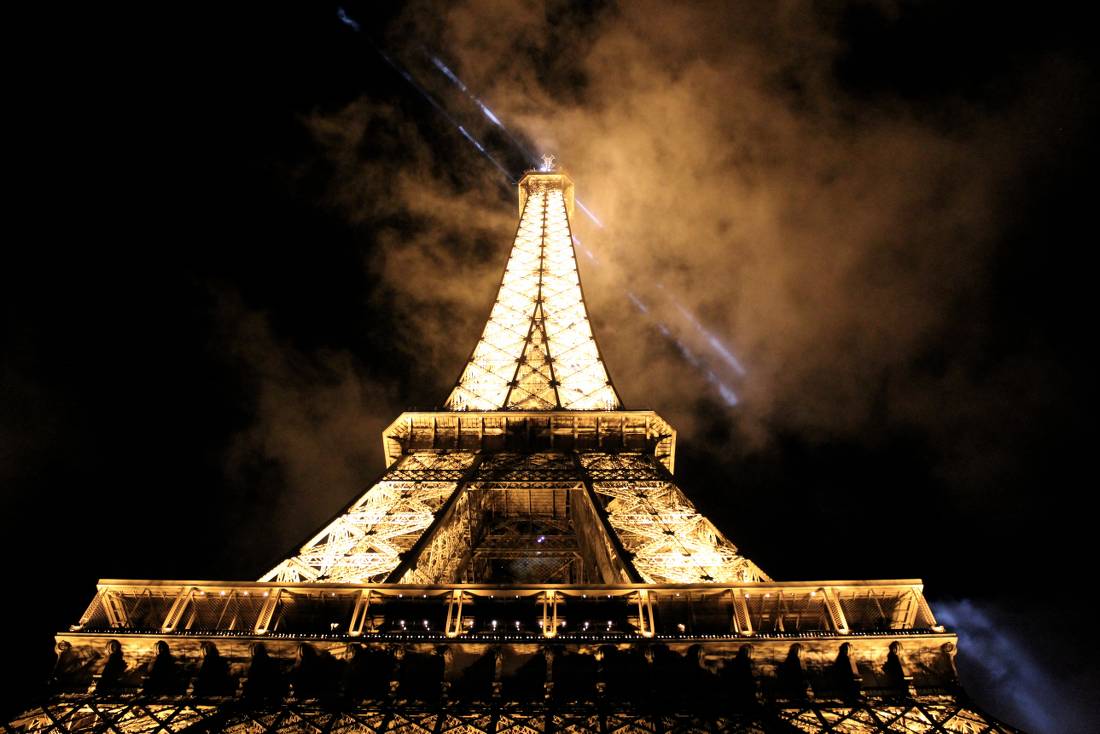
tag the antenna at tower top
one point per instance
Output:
(548, 161)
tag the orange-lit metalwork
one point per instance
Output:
(537, 351)
(527, 564)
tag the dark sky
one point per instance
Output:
(242, 244)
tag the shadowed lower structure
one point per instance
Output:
(526, 563)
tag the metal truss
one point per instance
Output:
(446, 550)
(669, 541)
(650, 527)
(434, 512)
(532, 432)
(366, 541)
(516, 508)
(141, 715)
(544, 469)
(132, 715)
(537, 351)
(932, 715)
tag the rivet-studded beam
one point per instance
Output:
(537, 351)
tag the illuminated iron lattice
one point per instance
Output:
(621, 518)
(525, 565)
(365, 543)
(537, 351)
(138, 717)
(669, 540)
(664, 538)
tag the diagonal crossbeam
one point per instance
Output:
(537, 351)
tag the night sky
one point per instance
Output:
(244, 243)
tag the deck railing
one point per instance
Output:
(763, 609)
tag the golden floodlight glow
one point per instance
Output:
(671, 543)
(526, 564)
(365, 543)
(534, 436)
(537, 351)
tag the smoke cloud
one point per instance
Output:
(315, 440)
(838, 246)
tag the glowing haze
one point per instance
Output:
(830, 243)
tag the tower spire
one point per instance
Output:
(537, 351)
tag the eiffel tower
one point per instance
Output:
(526, 564)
